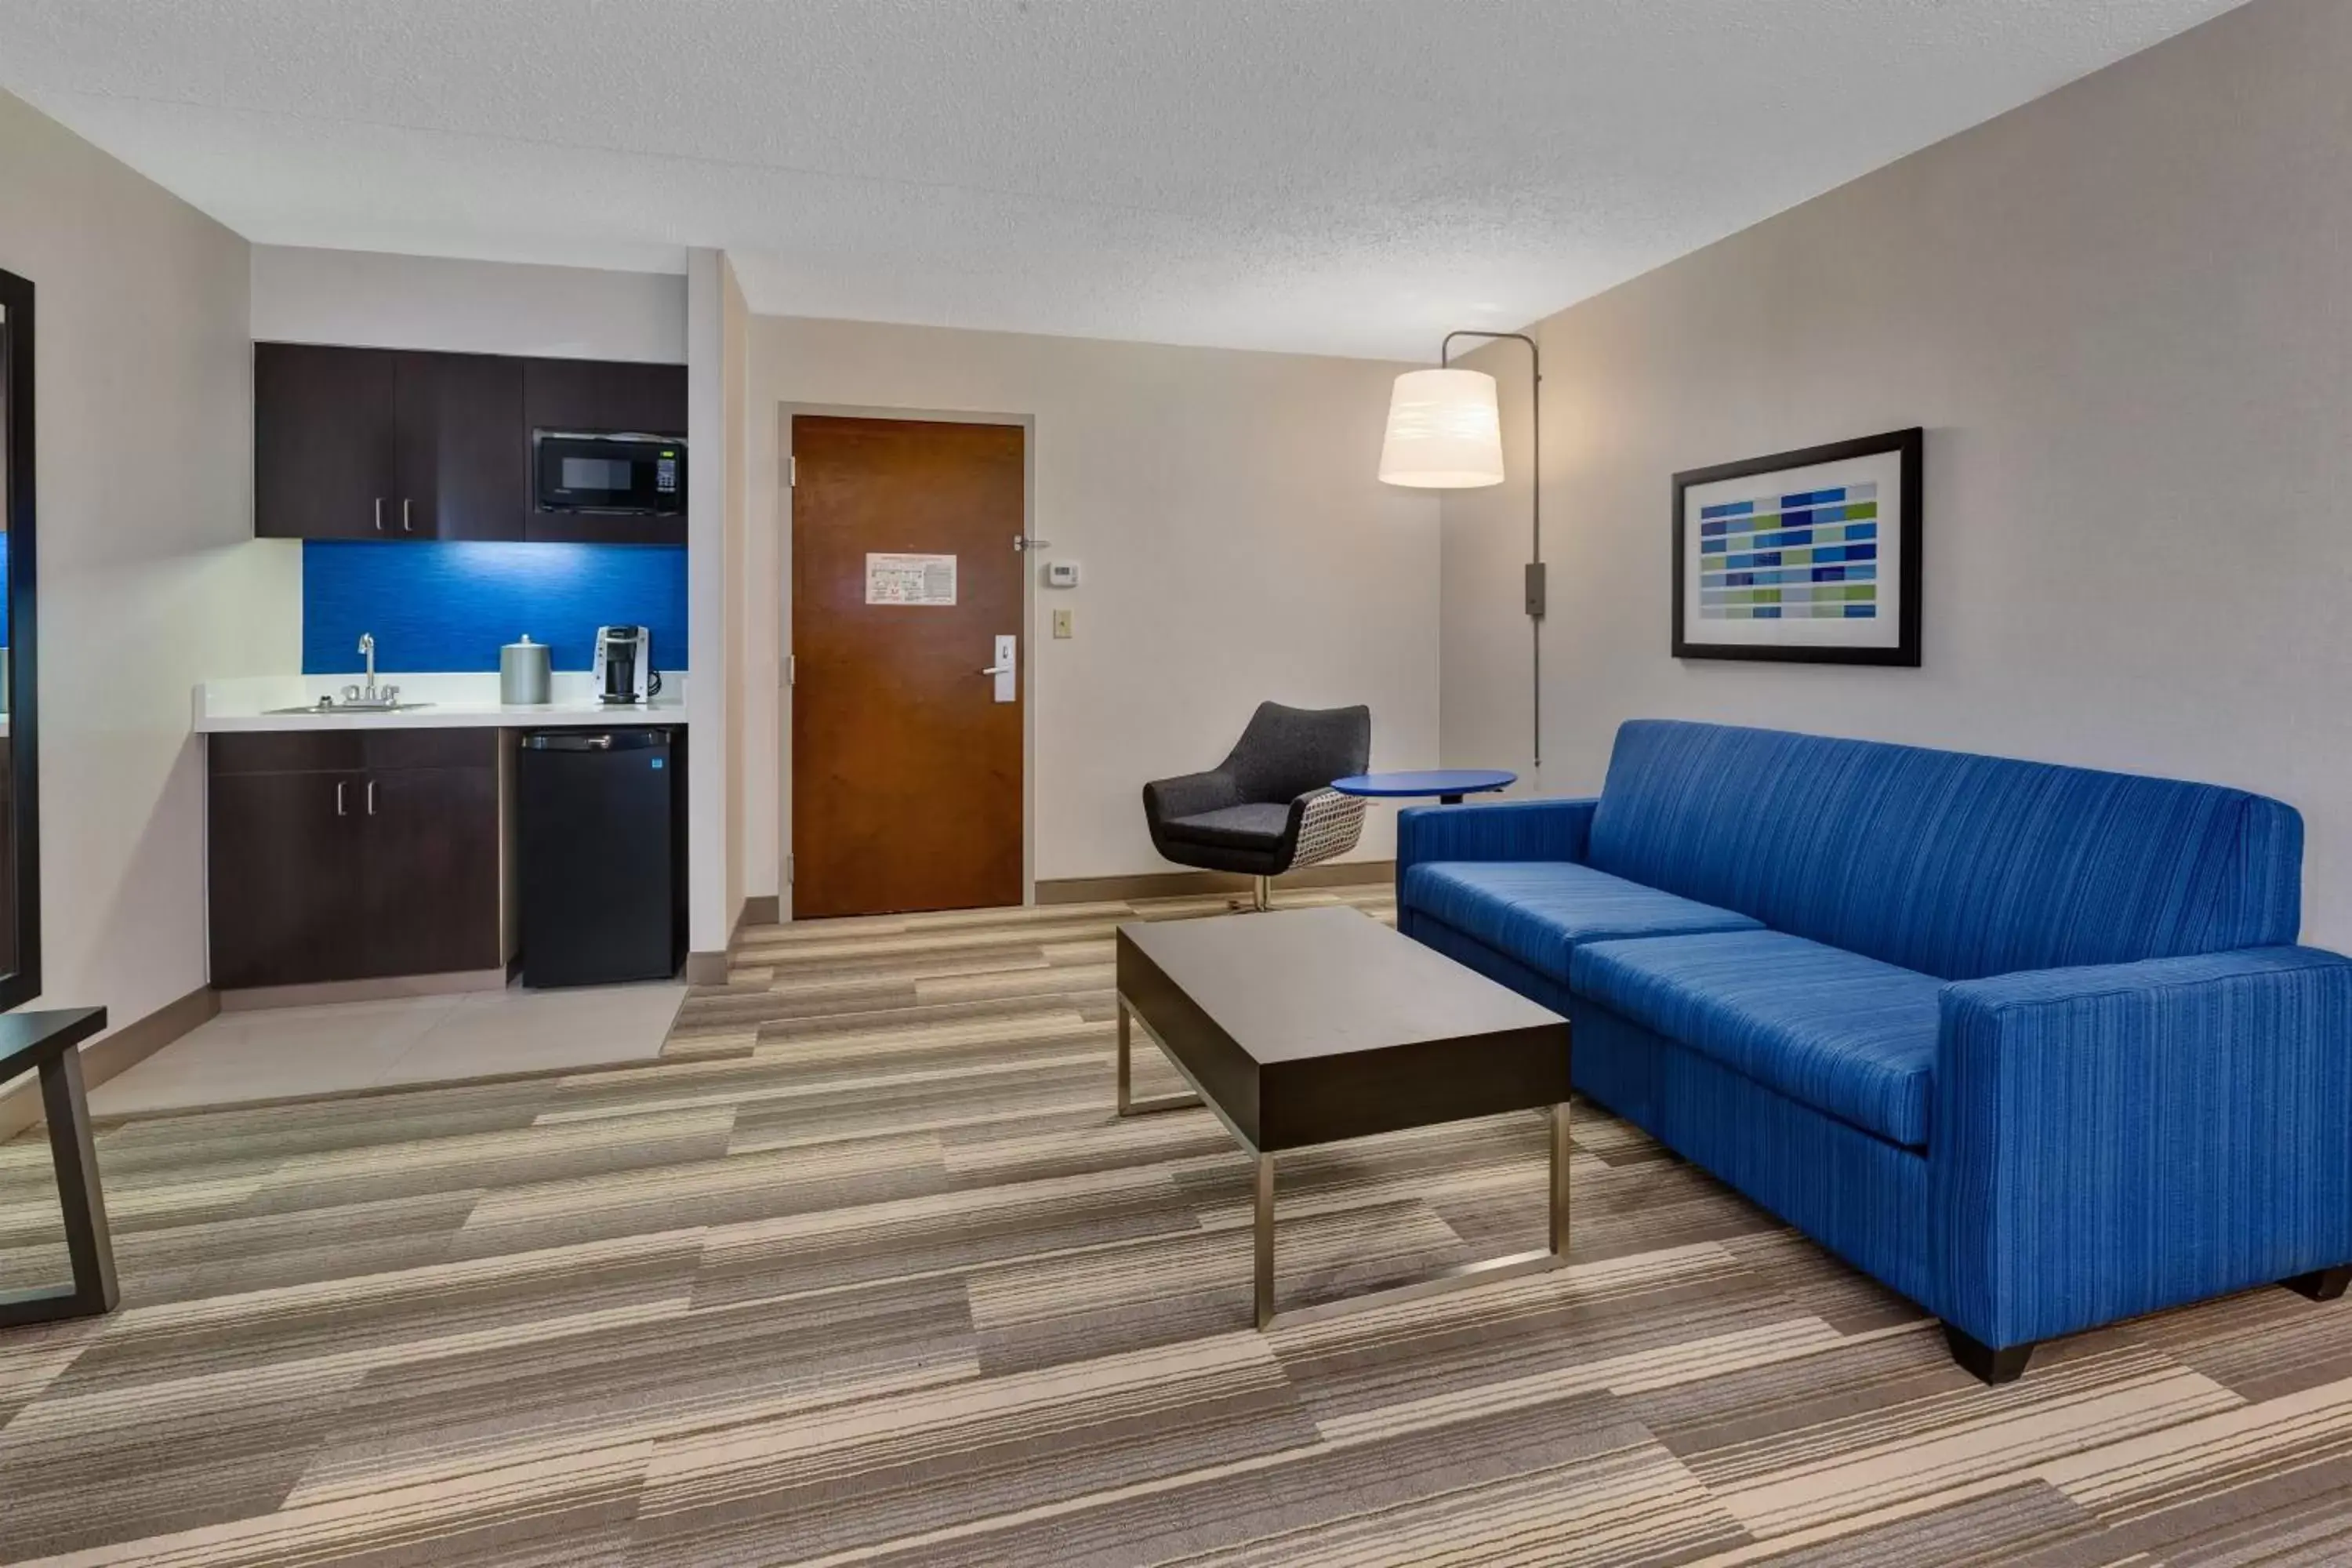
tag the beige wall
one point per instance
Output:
(371, 299)
(1234, 542)
(713, 855)
(150, 579)
(742, 594)
(2124, 313)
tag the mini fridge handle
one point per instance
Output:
(595, 739)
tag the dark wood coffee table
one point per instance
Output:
(1309, 1026)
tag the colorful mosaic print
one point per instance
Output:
(1813, 554)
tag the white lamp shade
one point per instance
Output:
(1443, 431)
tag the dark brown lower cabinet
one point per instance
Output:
(284, 874)
(350, 855)
(429, 870)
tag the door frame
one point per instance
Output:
(785, 413)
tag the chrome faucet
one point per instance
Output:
(371, 695)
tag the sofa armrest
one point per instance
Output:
(1503, 830)
(2110, 1140)
(1188, 795)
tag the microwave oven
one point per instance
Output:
(624, 473)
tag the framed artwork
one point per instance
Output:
(1810, 557)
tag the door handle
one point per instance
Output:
(339, 811)
(1007, 669)
(404, 528)
(379, 514)
(370, 797)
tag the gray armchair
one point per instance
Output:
(1268, 807)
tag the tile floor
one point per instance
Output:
(284, 1053)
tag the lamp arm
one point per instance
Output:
(1535, 494)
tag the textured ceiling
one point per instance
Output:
(1347, 176)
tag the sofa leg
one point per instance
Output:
(1262, 894)
(1983, 1362)
(2322, 1284)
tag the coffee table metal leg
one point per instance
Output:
(1265, 1237)
(1460, 1277)
(1560, 1154)
(1128, 1104)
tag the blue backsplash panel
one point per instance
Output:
(450, 605)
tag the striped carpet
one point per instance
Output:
(865, 1271)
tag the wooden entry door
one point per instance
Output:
(906, 767)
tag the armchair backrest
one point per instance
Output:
(1286, 752)
(1949, 863)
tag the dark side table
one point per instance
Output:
(50, 1044)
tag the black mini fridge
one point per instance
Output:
(603, 864)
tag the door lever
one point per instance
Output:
(1007, 669)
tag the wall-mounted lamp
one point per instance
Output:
(1445, 434)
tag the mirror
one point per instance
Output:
(20, 896)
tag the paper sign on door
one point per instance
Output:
(910, 579)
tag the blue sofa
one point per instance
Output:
(2032, 1045)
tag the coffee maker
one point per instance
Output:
(625, 665)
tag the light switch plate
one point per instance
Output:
(1061, 622)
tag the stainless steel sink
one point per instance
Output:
(329, 705)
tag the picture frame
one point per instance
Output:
(1830, 569)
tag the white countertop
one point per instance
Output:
(459, 700)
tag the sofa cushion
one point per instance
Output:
(1249, 827)
(1944, 862)
(1538, 911)
(1846, 1034)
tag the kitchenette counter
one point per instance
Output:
(448, 702)
(367, 846)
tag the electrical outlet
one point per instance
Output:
(1061, 622)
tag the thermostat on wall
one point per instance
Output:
(1061, 573)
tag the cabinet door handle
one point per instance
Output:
(370, 797)
(339, 810)
(379, 514)
(404, 516)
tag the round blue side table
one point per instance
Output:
(1448, 784)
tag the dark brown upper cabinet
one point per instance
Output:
(323, 465)
(603, 397)
(385, 444)
(461, 454)
(394, 444)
